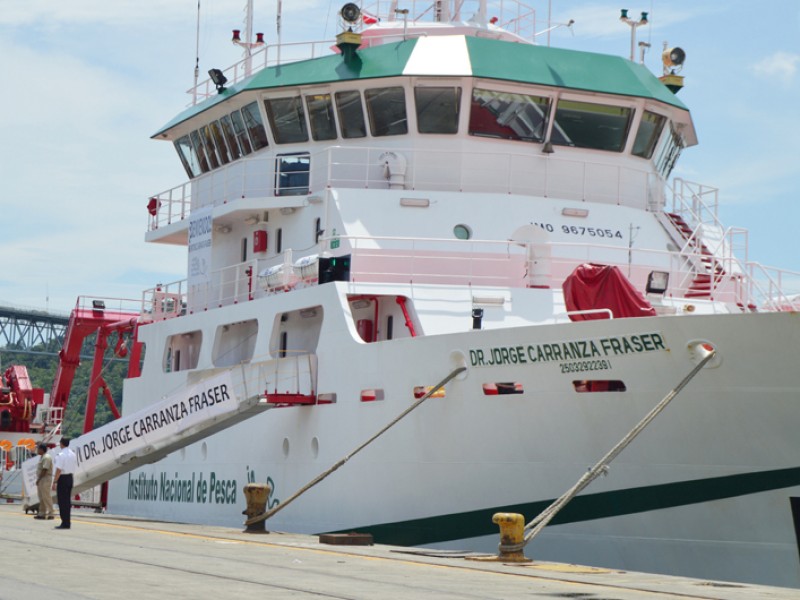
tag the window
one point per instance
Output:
(188, 156)
(648, 134)
(462, 232)
(211, 151)
(228, 132)
(244, 249)
(219, 141)
(351, 114)
(240, 132)
(287, 119)
(234, 343)
(387, 111)
(292, 173)
(595, 126)
(279, 241)
(317, 230)
(182, 351)
(254, 125)
(668, 152)
(320, 115)
(503, 388)
(200, 151)
(437, 109)
(599, 385)
(508, 116)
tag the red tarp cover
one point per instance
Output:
(592, 286)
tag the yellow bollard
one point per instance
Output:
(256, 495)
(512, 531)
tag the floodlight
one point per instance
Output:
(218, 79)
(350, 12)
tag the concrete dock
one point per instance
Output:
(107, 556)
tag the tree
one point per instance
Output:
(42, 362)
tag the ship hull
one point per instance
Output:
(706, 490)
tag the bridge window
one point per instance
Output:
(223, 151)
(287, 119)
(188, 156)
(437, 109)
(387, 111)
(220, 142)
(208, 142)
(254, 125)
(200, 151)
(226, 126)
(240, 131)
(594, 126)
(648, 134)
(320, 115)
(668, 152)
(351, 114)
(292, 173)
(508, 116)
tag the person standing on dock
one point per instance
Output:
(66, 463)
(44, 481)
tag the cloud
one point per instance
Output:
(779, 65)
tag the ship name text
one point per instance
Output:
(599, 348)
(153, 421)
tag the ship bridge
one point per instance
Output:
(454, 112)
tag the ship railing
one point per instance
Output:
(521, 264)
(267, 55)
(477, 263)
(170, 206)
(164, 301)
(695, 202)
(415, 170)
(118, 305)
(491, 171)
(509, 15)
(49, 418)
(290, 378)
(773, 289)
(767, 288)
(484, 263)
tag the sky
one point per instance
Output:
(91, 80)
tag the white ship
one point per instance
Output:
(439, 194)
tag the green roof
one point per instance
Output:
(459, 56)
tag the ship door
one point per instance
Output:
(291, 377)
(536, 242)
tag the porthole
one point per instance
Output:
(462, 232)
(315, 447)
(285, 447)
(204, 450)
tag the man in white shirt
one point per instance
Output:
(66, 463)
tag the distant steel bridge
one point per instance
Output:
(22, 330)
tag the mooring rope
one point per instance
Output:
(341, 462)
(533, 528)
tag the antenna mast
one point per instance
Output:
(197, 56)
